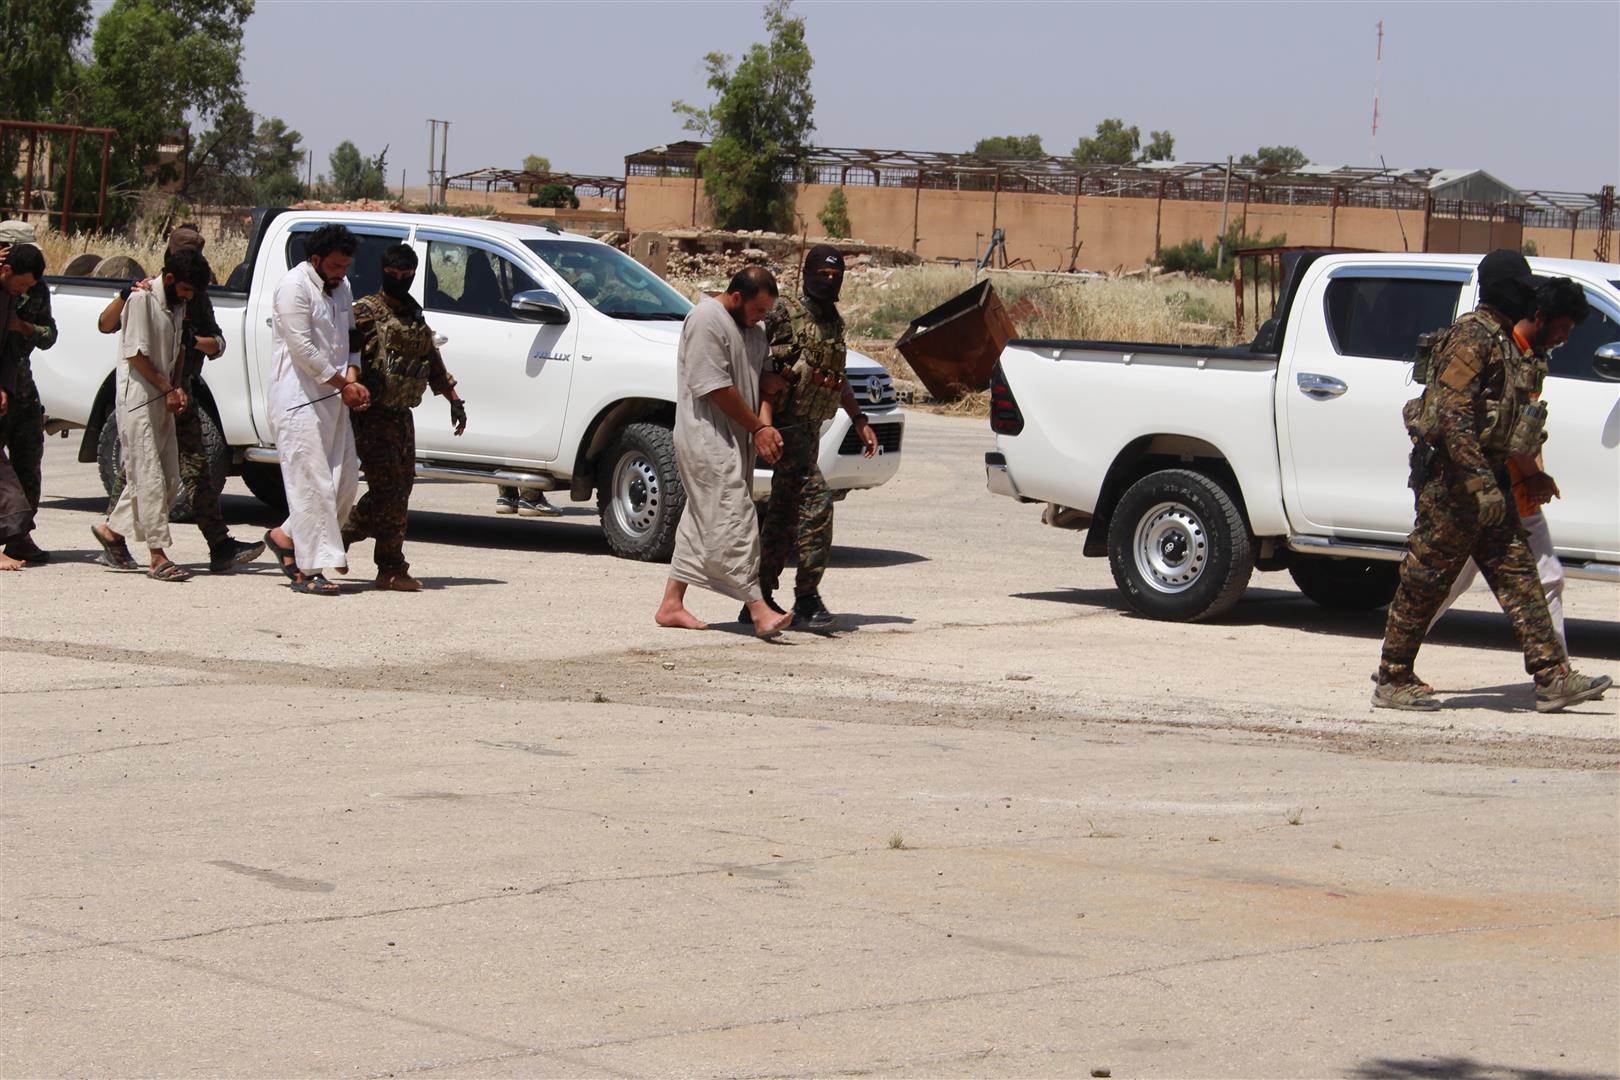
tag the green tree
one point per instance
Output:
(1010, 148)
(1114, 144)
(37, 38)
(537, 163)
(274, 163)
(153, 70)
(1161, 146)
(355, 176)
(834, 217)
(560, 196)
(1278, 158)
(759, 125)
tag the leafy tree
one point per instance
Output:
(1279, 158)
(834, 217)
(1528, 249)
(759, 125)
(1114, 144)
(153, 69)
(1010, 148)
(1196, 259)
(537, 163)
(356, 177)
(560, 196)
(1161, 146)
(36, 52)
(274, 163)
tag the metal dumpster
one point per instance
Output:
(953, 347)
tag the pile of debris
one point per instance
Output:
(709, 257)
(383, 206)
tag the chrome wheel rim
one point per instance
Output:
(1171, 548)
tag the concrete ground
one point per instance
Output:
(999, 827)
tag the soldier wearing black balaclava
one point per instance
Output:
(806, 336)
(1478, 408)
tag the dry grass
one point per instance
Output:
(59, 249)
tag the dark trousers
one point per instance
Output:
(385, 442)
(799, 517)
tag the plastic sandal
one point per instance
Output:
(115, 553)
(282, 554)
(316, 585)
(168, 571)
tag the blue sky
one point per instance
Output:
(1463, 84)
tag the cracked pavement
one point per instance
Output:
(998, 827)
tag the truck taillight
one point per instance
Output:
(1005, 419)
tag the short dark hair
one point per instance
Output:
(750, 281)
(189, 268)
(399, 257)
(26, 259)
(329, 238)
(1561, 298)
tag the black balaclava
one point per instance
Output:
(1506, 284)
(822, 257)
(398, 288)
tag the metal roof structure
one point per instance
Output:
(493, 179)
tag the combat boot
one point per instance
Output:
(397, 581)
(744, 617)
(810, 613)
(229, 553)
(1411, 695)
(1569, 687)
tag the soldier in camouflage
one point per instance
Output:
(808, 352)
(203, 340)
(1477, 409)
(398, 362)
(31, 327)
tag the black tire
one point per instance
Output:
(1346, 584)
(1179, 547)
(639, 493)
(110, 455)
(264, 481)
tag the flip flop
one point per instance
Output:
(283, 553)
(316, 585)
(168, 571)
(114, 553)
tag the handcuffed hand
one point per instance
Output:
(176, 401)
(768, 441)
(1540, 488)
(356, 396)
(1492, 505)
(458, 415)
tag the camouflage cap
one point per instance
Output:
(183, 238)
(16, 232)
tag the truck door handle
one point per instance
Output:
(440, 340)
(1319, 387)
(268, 319)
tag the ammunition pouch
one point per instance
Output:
(404, 361)
(816, 390)
(1422, 462)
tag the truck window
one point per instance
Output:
(1573, 359)
(365, 275)
(468, 280)
(611, 281)
(1383, 317)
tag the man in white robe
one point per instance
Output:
(146, 399)
(717, 433)
(314, 377)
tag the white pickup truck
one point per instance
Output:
(1190, 467)
(563, 347)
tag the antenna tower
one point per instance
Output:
(1378, 79)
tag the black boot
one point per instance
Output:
(231, 553)
(810, 613)
(744, 617)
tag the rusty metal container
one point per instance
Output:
(953, 347)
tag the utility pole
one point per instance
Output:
(438, 140)
(1226, 193)
(1378, 79)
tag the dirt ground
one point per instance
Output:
(997, 826)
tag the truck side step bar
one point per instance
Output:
(1584, 569)
(428, 470)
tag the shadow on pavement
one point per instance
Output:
(1589, 638)
(1458, 1068)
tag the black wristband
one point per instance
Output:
(123, 294)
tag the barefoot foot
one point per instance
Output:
(680, 618)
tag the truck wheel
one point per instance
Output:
(264, 480)
(639, 493)
(110, 455)
(1179, 547)
(1346, 584)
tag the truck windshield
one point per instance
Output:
(611, 281)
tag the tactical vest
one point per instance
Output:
(404, 360)
(1513, 421)
(816, 371)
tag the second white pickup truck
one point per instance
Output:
(563, 347)
(1192, 467)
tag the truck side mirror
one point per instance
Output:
(539, 305)
(1606, 361)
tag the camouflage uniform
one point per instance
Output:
(1480, 384)
(197, 481)
(398, 361)
(24, 422)
(807, 349)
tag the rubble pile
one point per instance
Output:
(709, 257)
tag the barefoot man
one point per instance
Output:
(717, 433)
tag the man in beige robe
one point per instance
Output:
(717, 433)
